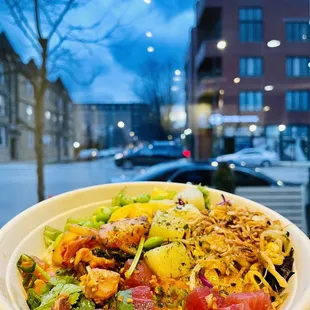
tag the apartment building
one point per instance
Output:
(248, 77)
(17, 105)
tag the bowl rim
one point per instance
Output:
(305, 304)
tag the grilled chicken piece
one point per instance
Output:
(85, 255)
(62, 303)
(124, 234)
(100, 284)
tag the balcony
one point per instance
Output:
(209, 27)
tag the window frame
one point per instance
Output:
(295, 38)
(259, 66)
(289, 63)
(3, 107)
(253, 22)
(298, 94)
(3, 134)
(246, 102)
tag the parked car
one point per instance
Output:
(88, 154)
(149, 155)
(251, 157)
(185, 171)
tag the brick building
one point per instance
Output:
(17, 113)
(248, 77)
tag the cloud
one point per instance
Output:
(118, 65)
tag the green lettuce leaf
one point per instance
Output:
(84, 304)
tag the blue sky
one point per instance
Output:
(126, 51)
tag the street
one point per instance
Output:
(18, 180)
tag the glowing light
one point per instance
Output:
(273, 43)
(170, 137)
(48, 114)
(150, 146)
(174, 88)
(29, 110)
(188, 131)
(214, 164)
(243, 163)
(280, 183)
(93, 153)
(232, 166)
(267, 108)
(182, 136)
(269, 88)
(149, 34)
(281, 127)
(76, 145)
(253, 128)
(177, 72)
(237, 80)
(121, 124)
(148, 1)
(150, 49)
(221, 45)
(187, 153)
(222, 92)
(132, 134)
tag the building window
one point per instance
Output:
(298, 32)
(29, 89)
(1, 73)
(298, 100)
(251, 24)
(251, 66)
(298, 66)
(2, 136)
(211, 67)
(251, 100)
(30, 139)
(2, 106)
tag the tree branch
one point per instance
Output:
(24, 26)
(37, 18)
(60, 19)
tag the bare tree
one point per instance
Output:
(51, 31)
(154, 86)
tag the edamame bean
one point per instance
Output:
(153, 242)
(104, 215)
(143, 198)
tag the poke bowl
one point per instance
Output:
(152, 245)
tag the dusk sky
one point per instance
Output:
(169, 23)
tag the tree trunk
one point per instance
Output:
(39, 147)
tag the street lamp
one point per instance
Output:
(273, 43)
(170, 137)
(269, 88)
(183, 136)
(121, 124)
(221, 45)
(132, 134)
(237, 80)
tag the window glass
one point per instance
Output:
(203, 177)
(2, 136)
(250, 101)
(298, 66)
(298, 100)
(251, 66)
(251, 24)
(246, 179)
(298, 31)
(2, 106)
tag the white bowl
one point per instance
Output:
(23, 234)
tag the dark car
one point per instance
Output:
(184, 171)
(149, 155)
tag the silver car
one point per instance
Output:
(251, 157)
